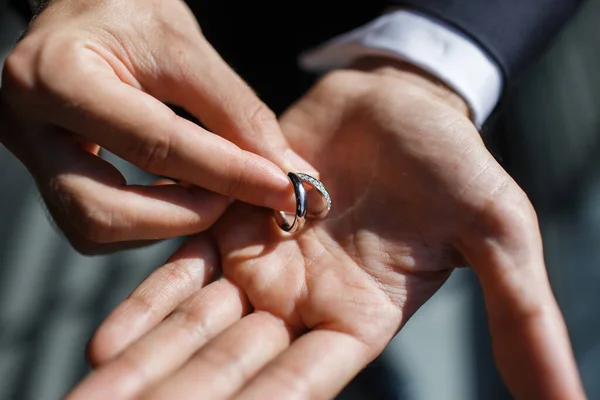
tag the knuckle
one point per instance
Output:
(344, 87)
(509, 211)
(84, 234)
(192, 320)
(152, 154)
(261, 118)
(504, 233)
(59, 68)
(255, 121)
(290, 384)
(337, 81)
(42, 69)
(337, 78)
(177, 274)
(234, 185)
(17, 74)
(95, 223)
(91, 219)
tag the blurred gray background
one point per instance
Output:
(546, 133)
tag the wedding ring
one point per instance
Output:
(318, 211)
(282, 218)
(323, 207)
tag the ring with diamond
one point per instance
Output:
(322, 196)
(302, 199)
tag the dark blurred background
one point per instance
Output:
(546, 133)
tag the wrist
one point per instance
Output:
(409, 73)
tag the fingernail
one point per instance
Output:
(299, 164)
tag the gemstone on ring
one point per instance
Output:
(315, 183)
(298, 180)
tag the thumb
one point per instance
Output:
(529, 336)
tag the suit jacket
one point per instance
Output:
(513, 31)
(262, 40)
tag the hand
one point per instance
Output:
(415, 195)
(96, 73)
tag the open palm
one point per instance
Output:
(415, 195)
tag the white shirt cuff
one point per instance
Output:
(424, 42)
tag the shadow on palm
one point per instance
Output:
(384, 249)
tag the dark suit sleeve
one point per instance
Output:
(512, 31)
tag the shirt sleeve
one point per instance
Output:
(423, 41)
(513, 32)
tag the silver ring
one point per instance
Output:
(300, 215)
(319, 212)
(322, 209)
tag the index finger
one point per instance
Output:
(88, 98)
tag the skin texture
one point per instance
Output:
(91, 74)
(246, 311)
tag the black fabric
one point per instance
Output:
(261, 40)
(513, 31)
(21, 6)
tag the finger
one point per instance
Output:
(207, 87)
(226, 363)
(167, 347)
(529, 336)
(317, 366)
(163, 182)
(91, 201)
(144, 131)
(190, 268)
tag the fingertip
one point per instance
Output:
(282, 200)
(164, 182)
(261, 183)
(295, 163)
(101, 348)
